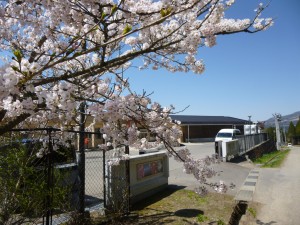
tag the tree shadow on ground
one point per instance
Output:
(167, 217)
(188, 213)
(238, 159)
(263, 223)
(156, 197)
(159, 217)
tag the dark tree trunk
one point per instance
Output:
(238, 211)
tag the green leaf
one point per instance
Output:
(15, 68)
(165, 11)
(77, 54)
(113, 9)
(127, 29)
(69, 51)
(103, 15)
(17, 53)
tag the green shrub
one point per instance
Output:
(24, 188)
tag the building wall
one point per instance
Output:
(93, 139)
(203, 132)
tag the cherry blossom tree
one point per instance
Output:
(59, 54)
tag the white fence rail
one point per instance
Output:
(241, 145)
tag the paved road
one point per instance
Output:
(279, 192)
(229, 172)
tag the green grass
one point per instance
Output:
(177, 206)
(181, 206)
(202, 218)
(221, 222)
(252, 211)
(273, 159)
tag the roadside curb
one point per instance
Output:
(247, 190)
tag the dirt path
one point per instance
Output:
(279, 192)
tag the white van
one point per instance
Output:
(227, 134)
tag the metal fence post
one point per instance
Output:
(81, 158)
(127, 163)
(104, 178)
(49, 179)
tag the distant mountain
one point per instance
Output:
(285, 120)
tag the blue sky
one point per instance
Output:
(246, 74)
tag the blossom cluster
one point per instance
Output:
(123, 116)
(61, 52)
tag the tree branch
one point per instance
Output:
(11, 124)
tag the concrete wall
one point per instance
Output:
(230, 149)
(266, 147)
(148, 174)
(253, 145)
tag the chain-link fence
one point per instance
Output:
(94, 176)
(117, 182)
(38, 177)
(45, 179)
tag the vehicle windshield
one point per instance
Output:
(224, 135)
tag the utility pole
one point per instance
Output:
(277, 118)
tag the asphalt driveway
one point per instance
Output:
(228, 172)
